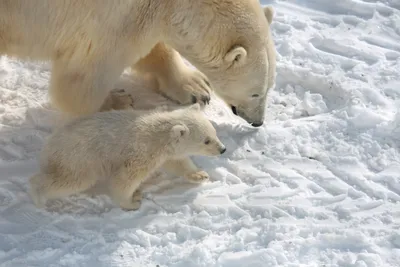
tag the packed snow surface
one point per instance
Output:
(317, 185)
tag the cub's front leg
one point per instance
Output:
(186, 168)
(124, 185)
(175, 79)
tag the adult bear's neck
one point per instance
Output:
(145, 24)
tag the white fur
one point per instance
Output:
(126, 146)
(90, 42)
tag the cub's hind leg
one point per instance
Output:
(45, 186)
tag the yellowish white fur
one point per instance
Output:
(126, 147)
(91, 42)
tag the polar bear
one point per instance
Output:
(91, 42)
(125, 145)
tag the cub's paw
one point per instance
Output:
(118, 99)
(198, 177)
(137, 196)
(135, 202)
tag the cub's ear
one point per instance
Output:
(236, 55)
(269, 13)
(195, 107)
(179, 131)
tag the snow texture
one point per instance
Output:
(317, 185)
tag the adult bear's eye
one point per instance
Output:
(207, 141)
(255, 95)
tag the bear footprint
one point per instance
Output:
(118, 99)
(198, 177)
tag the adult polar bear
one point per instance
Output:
(90, 43)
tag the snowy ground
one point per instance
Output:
(317, 185)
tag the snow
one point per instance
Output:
(317, 185)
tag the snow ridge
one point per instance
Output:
(317, 185)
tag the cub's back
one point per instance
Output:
(94, 138)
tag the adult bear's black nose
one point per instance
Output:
(257, 124)
(234, 111)
(222, 151)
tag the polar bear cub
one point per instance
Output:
(125, 145)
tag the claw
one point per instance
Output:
(194, 99)
(205, 99)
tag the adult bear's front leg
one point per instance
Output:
(81, 90)
(175, 79)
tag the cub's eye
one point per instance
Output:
(255, 95)
(207, 141)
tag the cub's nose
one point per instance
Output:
(222, 151)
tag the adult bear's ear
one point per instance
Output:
(179, 131)
(269, 13)
(236, 55)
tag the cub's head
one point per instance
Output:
(194, 134)
(230, 41)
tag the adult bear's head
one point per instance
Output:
(230, 41)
